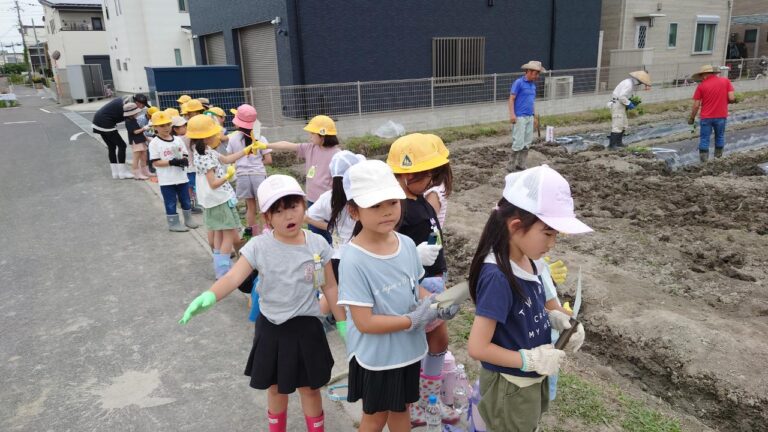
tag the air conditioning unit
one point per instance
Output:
(559, 87)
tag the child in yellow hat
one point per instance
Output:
(317, 154)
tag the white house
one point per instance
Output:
(76, 33)
(146, 33)
(35, 38)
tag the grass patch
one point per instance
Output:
(639, 418)
(637, 149)
(592, 116)
(367, 145)
(581, 399)
(460, 326)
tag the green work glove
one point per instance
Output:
(341, 326)
(202, 303)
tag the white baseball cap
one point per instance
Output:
(341, 161)
(178, 121)
(371, 182)
(545, 193)
(275, 187)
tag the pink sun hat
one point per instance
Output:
(545, 193)
(245, 116)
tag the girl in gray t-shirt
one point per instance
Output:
(290, 351)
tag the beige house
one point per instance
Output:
(749, 24)
(670, 39)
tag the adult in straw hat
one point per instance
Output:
(522, 114)
(712, 95)
(620, 104)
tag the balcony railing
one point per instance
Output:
(70, 26)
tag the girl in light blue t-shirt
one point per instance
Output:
(378, 283)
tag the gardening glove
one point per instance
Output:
(183, 162)
(691, 120)
(422, 315)
(557, 270)
(230, 172)
(202, 303)
(428, 253)
(341, 326)
(254, 147)
(576, 340)
(544, 359)
(631, 106)
(560, 321)
(175, 162)
(447, 313)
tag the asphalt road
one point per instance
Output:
(91, 287)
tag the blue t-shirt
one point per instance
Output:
(520, 324)
(389, 285)
(525, 93)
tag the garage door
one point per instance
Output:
(258, 55)
(215, 49)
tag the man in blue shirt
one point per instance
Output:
(522, 114)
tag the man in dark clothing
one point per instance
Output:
(105, 124)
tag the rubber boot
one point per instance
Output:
(522, 160)
(513, 159)
(315, 424)
(123, 172)
(115, 171)
(222, 263)
(718, 153)
(188, 221)
(277, 422)
(614, 140)
(430, 385)
(621, 139)
(138, 175)
(174, 224)
(703, 156)
(196, 209)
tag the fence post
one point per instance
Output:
(359, 101)
(432, 92)
(494, 87)
(272, 106)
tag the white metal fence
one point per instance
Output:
(278, 106)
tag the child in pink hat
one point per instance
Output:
(511, 334)
(251, 170)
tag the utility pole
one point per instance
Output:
(37, 48)
(21, 33)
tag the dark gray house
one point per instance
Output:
(292, 42)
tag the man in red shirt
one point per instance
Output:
(712, 95)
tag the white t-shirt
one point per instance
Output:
(321, 210)
(440, 191)
(167, 150)
(206, 196)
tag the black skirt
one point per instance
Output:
(293, 354)
(386, 390)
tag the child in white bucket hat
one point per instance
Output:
(511, 334)
(291, 352)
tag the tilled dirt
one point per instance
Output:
(674, 274)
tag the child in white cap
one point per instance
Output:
(378, 283)
(291, 351)
(511, 334)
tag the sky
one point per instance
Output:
(31, 9)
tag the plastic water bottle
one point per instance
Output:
(460, 390)
(450, 375)
(434, 420)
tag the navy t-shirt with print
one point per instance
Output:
(520, 324)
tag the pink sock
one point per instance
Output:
(277, 422)
(315, 424)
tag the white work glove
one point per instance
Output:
(428, 253)
(422, 315)
(560, 321)
(576, 340)
(448, 313)
(544, 360)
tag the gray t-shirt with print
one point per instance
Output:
(286, 274)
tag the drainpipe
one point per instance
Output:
(728, 32)
(553, 35)
(296, 33)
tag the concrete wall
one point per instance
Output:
(611, 23)
(420, 120)
(146, 34)
(322, 37)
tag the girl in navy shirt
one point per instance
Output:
(511, 333)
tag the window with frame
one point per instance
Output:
(125, 66)
(704, 36)
(750, 36)
(458, 60)
(118, 64)
(177, 55)
(672, 38)
(183, 6)
(96, 24)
